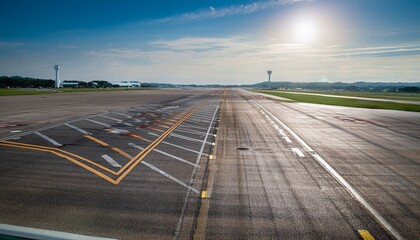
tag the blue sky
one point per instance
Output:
(229, 42)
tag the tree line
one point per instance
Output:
(27, 82)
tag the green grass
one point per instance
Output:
(346, 102)
(28, 91)
(381, 95)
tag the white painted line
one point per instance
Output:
(128, 124)
(340, 179)
(34, 233)
(164, 153)
(198, 116)
(187, 195)
(181, 137)
(121, 114)
(116, 131)
(111, 161)
(190, 188)
(183, 148)
(287, 139)
(188, 138)
(184, 125)
(191, 132)
(78, 129)
(287, 128)
(111, 118)
(298, 152)
(192, 120)
(99, 123)
(52, 141)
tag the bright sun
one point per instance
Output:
(305, 31)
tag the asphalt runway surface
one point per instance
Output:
(207, 163)
(127, 173)
(306, 171)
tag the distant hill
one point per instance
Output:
(26, 82)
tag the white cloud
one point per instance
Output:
(232, 10)
(227, 60)
(234, 60)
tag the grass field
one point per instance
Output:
(381, 95)
(28, 91)
(347, 102)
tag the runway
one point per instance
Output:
(270, 181)
(209, 164)
(127, 173)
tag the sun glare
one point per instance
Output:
(305, 31)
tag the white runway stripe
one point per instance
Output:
(121, 114)
(52, 141)
(169, 176)
(164, 153)
(298, 152)
(99, 123)
(78, 129)
(111, 118)
(184, 148)
(111, 161)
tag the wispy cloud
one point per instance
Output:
(239, 60)
(212, 12)
(374, 50)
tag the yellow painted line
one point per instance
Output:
(155, 129)
(139, 137)
(366, 235)
(160, 125)
(97, 140)
(204, 194)
(168, 123)
(171, 120)
(139, 157)
(135, 160)
(15, 144)
(68, 158)
(121, 152)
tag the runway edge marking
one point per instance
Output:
(339, 178)
(184, 207)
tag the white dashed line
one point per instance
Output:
(183, 148)
(111, 161)
(298, 152)
(169, 176)
(164, 153)
(99, 123)
(339, 178)
(78, 129)
(121, 114)
(52, 141)
(111, 118)
(181, 137)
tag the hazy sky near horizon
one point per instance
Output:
(204, 42)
